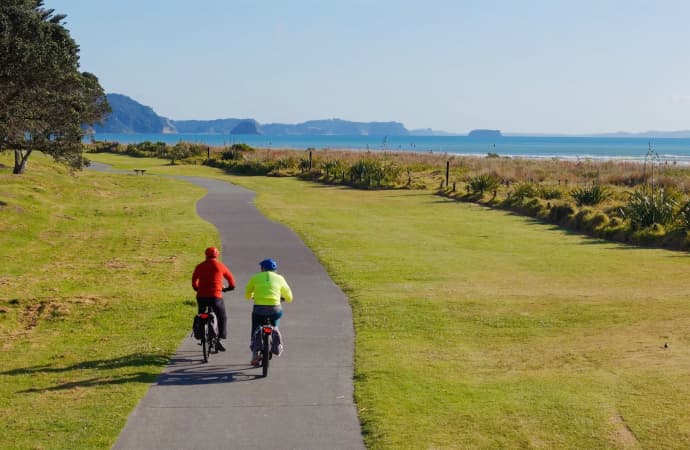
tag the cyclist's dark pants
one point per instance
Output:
(259, 314)
(218, 306)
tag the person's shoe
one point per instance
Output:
(255, 359)
(219, 346)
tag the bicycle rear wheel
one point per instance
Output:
(205, 344)
(265, 354)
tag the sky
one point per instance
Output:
(529, 66)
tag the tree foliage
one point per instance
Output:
(44, 98)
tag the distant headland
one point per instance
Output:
(131, 117)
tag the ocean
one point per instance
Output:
(626, 148)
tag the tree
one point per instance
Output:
(44, 99)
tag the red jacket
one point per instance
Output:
(207, 279)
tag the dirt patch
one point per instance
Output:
(115, 264)
(622, 434)
(53, 309)
(164, 260)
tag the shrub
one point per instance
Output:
(179, 151)
(684, 215)
(304, 164)
(286, 163)
(483, 183)
(334, 168)
(103, 147)
(242, 147)
(236, 152)
(590, 195)
(231, 155)
(374, 172)
(560, 213)
(647, 207)
(598, 221)
(650, 235)
(523, 190)
(549, 192)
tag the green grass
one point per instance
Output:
(475, 328)
(93, 292)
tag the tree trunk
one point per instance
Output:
(20, 158)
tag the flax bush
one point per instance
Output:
(590, 195)
(647, 206)
(372, 172)
(483, 183)
(523, 190)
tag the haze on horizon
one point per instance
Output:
(560, 67)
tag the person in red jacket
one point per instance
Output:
(207, 281)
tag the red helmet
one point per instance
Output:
(212, 252)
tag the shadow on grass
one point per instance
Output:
(183, 370)
(156, 361)
(139, 377)
(133, 360)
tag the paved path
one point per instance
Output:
(306, 402)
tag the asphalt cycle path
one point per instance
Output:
(306, 402)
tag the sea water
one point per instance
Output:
(629, 148)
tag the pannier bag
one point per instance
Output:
(276, 341)
(198, 325)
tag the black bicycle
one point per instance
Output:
(265, 331)
(207, 333)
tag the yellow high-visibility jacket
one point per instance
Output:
(266, 288)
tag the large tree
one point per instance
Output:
(44, 99)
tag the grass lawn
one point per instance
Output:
(94, 297)
(480, 329)
(475, 328)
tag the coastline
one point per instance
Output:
(627, 149)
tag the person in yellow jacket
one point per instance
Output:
(267, 289)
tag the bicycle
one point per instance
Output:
(264, 352)
(208, 337)
(204, 329)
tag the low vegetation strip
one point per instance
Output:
(643, 203)
(93, 285)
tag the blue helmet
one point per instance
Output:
(268, 264)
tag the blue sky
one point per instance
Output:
(518, 66)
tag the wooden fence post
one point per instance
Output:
(447, 171)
